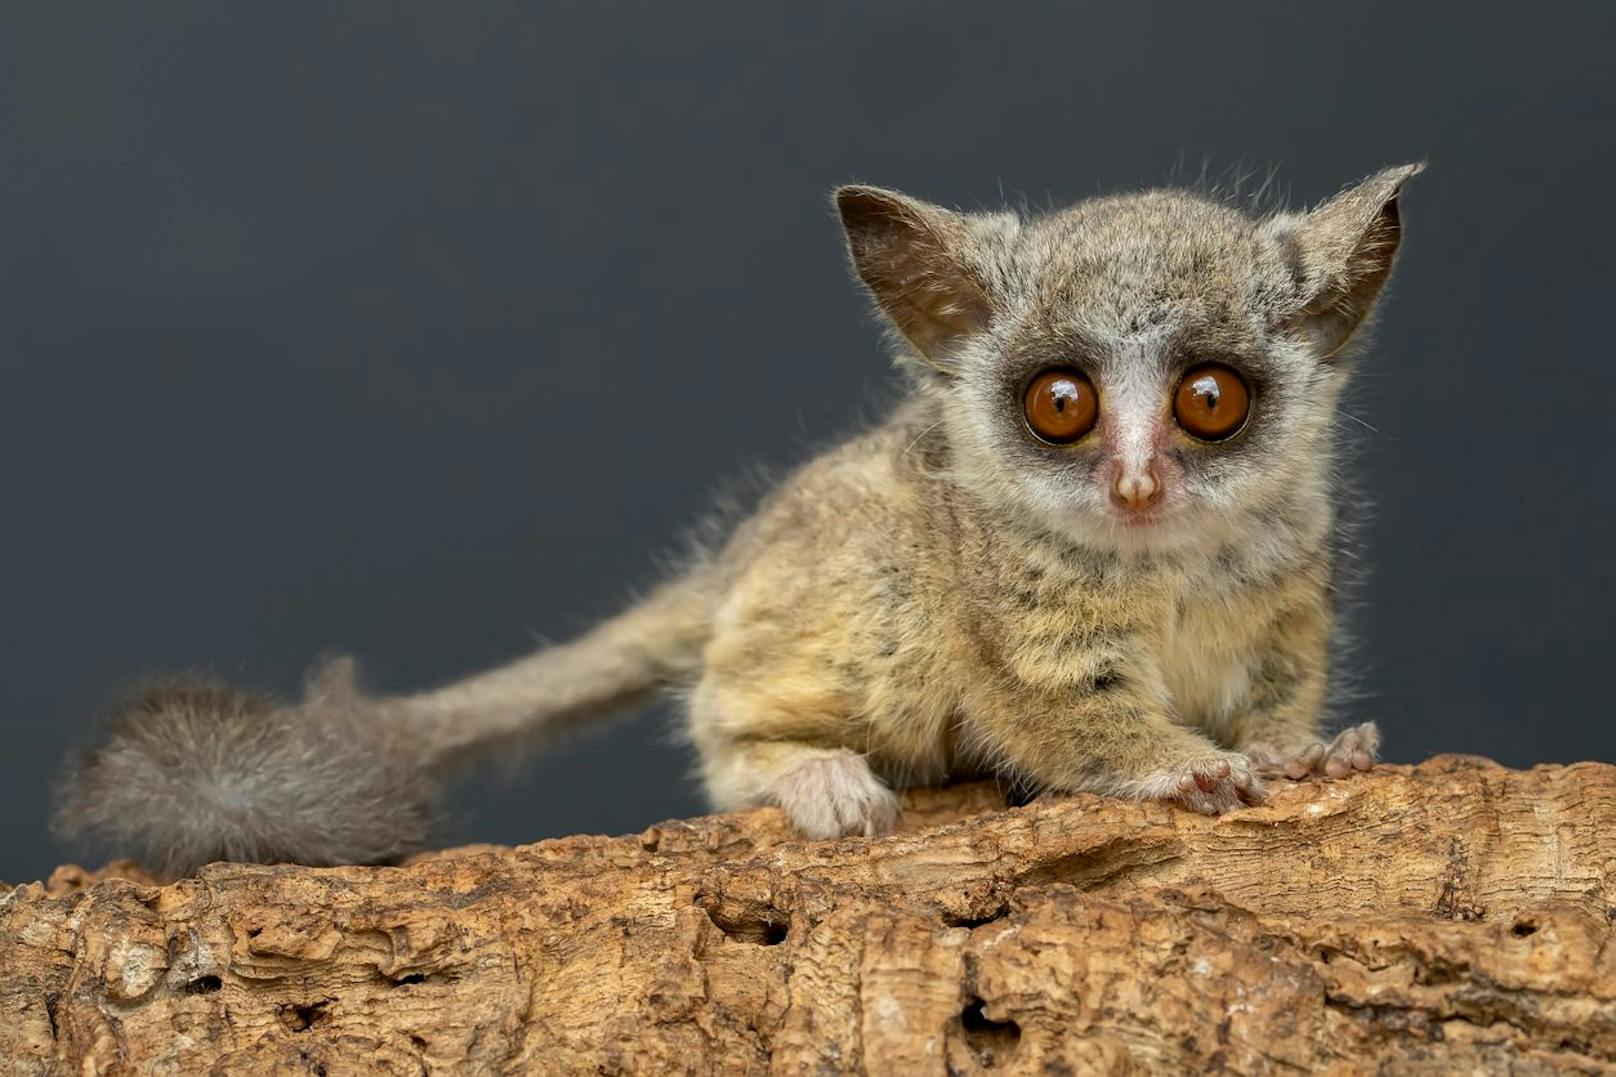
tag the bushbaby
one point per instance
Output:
(1092, 550)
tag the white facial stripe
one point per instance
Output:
(1133, 400)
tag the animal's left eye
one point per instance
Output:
(1212, 402)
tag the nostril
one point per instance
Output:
(1136, 489)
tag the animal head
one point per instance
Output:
(1142, 371)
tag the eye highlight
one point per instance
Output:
(1212, 402)
(1061, 406)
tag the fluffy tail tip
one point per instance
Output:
(190, 771)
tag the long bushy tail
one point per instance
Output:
(190, 771)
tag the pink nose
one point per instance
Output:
(1135, 490)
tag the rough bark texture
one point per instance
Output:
(1443, 918)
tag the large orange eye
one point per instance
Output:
(1061, 406)
(1212, 403)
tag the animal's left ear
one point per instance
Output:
(1342, 255)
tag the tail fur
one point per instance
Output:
(190, 771)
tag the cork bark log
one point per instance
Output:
(1450, 917)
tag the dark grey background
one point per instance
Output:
(417, 330)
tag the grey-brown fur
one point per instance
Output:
(942, 596)
(189, 771)
(192, 771)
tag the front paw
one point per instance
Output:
(1210, 784)
(1354, 748)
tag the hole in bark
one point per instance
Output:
(758, 933)
(420, 1044)
(990, 1041)
(1523, 929)
(204, 985)
(410, 978)
(753, 929)
(298, 1018)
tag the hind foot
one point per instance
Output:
(836, 795)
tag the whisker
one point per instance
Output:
(1367, 426)
(917, 438)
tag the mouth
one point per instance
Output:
(1141, 518)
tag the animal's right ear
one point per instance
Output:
(914, 258)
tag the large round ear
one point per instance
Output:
(1342, 253)
(915, 258)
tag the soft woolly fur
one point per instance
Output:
(192, 771)
(943, 596)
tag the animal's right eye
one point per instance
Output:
(1061, 406)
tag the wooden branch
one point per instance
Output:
(1450, 917)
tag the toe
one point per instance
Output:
(1305, 762)
(1251, 790)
